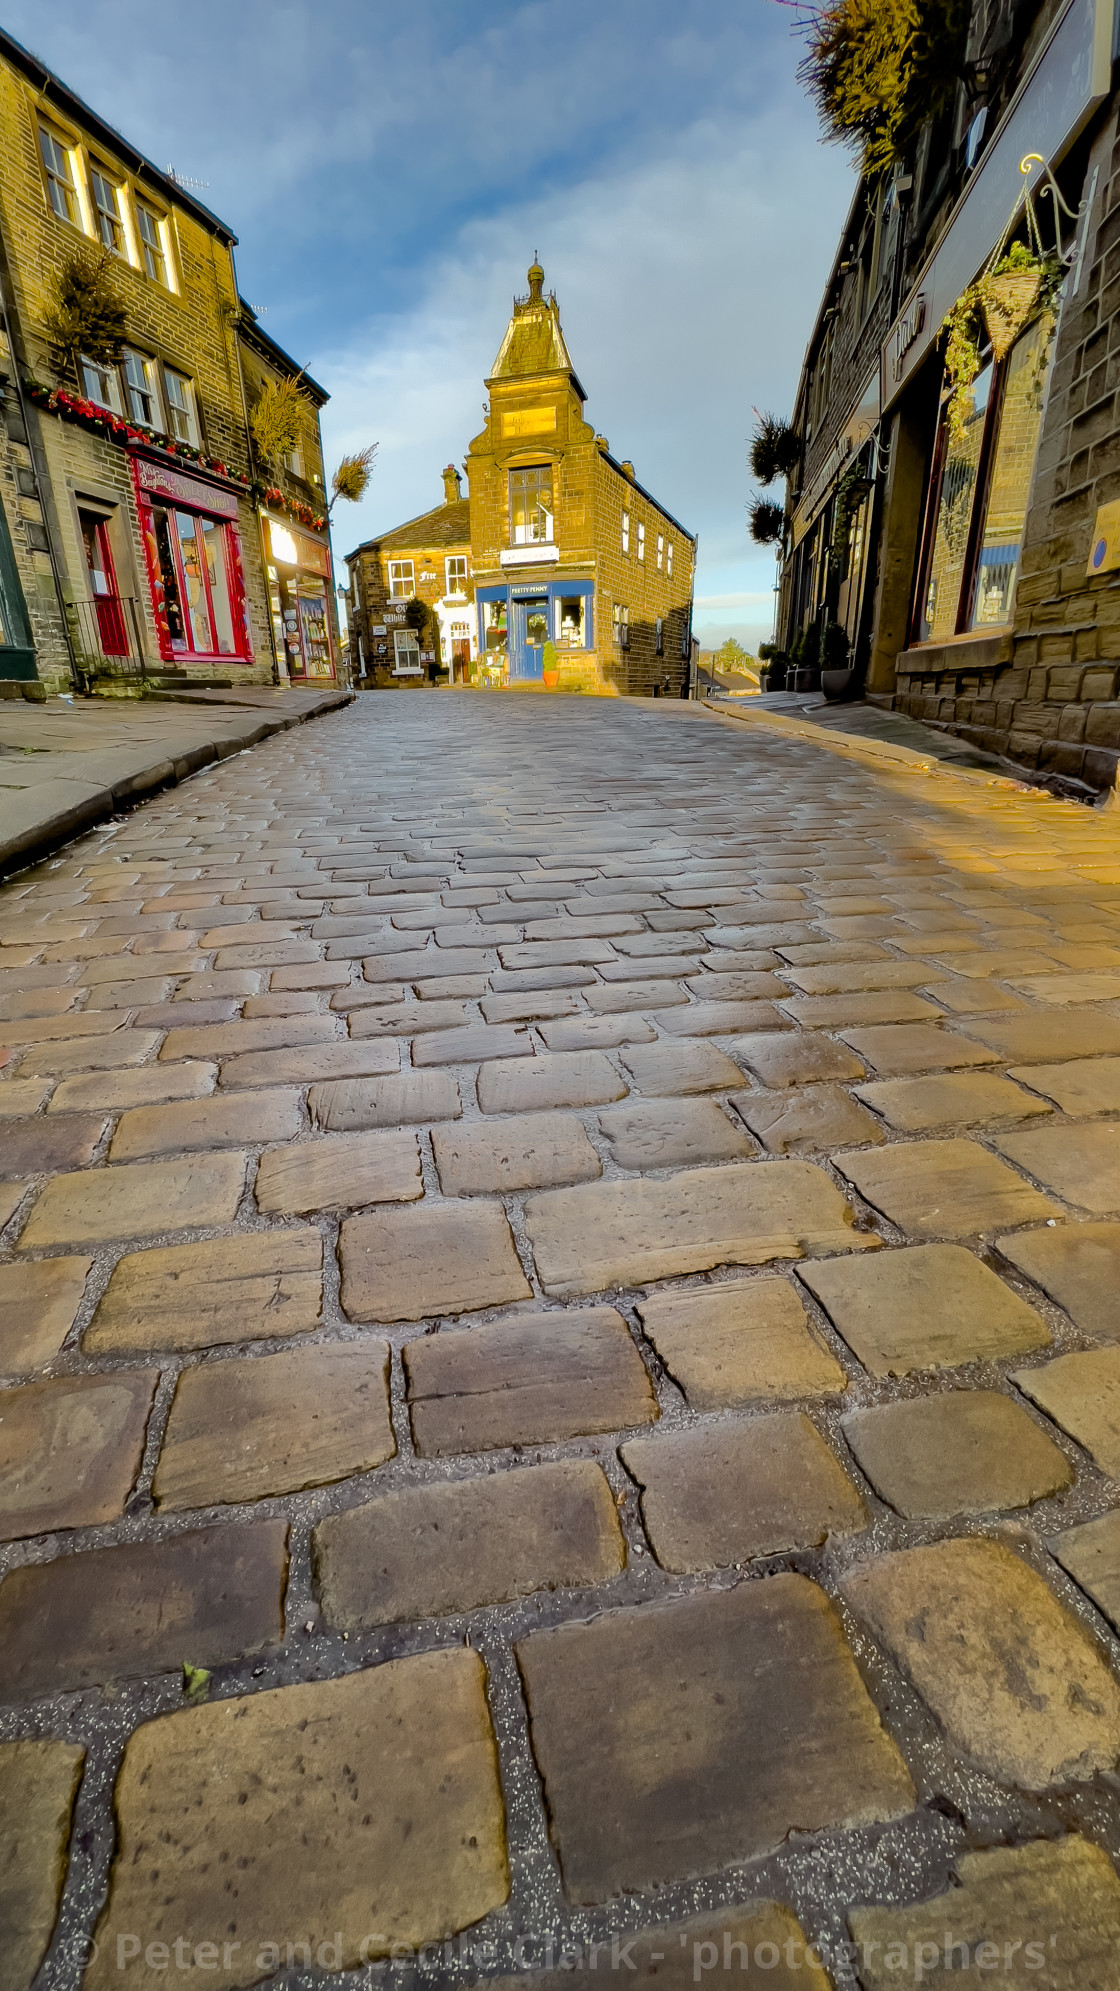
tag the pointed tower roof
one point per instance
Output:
(534, 342)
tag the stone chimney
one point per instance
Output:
(452, 485)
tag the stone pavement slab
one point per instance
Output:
(673, 1069)
(677, 1955)
(522, 1151)
(1050, 1906)
(402, 1098)
(790, 1058)
(952, 1099)
(1039, 1039)
(1082, 1394)
(917, 1047)
(1091, 1555)
(239, 1430)
(631, 1233)
(814, 1117)
(444, 1259)
(136, 1199)
(966, 1621)
(534, 1379)
(379, 1817)
(450, 1547)
(339, 1172)
(670, 1133)
(70, 1450)
(186, 1296)
(1081, 1164)
(750, 1720)
(1083, 1086)
(38, 1303)
(311, 1064)
(225, 1120)
(210, 1596)
(739, 1342)
(951, 1188)
(38, 1784)
(928, 1306)
(585, 1033)
(721, 1494)
(960, 1452)
(1078, 1265)
(554, 1078)
(41, 1146)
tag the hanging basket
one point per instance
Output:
(1007, 302)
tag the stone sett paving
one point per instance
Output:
(560, 1368)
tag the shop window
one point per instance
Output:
(621, 620)
(106, 211)
(142, 385)
(112, 635)
(101, 384)
(976, 513)
(180, 407)
(660, 551)
(196, 564)
(669, 560)
(456, 568)
(530, 506)
(150, 231)
(406, 654)
(58, 165)
(402, 580)
(571, 622)
(641, 541)
(626, 532)
(1000, 538)
(306, 629)
(495, 624)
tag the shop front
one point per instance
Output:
(518, 621)
(192, 546)
(298, 570)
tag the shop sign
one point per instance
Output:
(1068, 79)
(906, 331)
(1104, 547)
(292, 548)
(379, 629)
(528, 421)
(176, 489)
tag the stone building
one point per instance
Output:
(975, 564)
(577, 568)
(133, 547)
(428, 560)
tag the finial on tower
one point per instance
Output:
(536, 281)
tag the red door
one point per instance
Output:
(103, 585)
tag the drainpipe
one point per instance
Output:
(43, 492)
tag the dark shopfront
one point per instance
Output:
(516, 622)
(298, 569)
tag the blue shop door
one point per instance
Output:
(528, 634)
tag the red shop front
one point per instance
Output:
(193, 549)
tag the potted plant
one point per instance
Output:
(550, 666)
(773, 678)
(804, 659)
(836, 662)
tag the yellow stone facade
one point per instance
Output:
(428, 559)
(70, 185)
(557, 521)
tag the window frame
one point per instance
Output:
(626, 533)
(152, 252)
(395, 580)
(110, 374)
(152, 389)
(174, 410)
(54, 176)
(96, 176)
(455, 560)
(659, 637)
(660, 551)
(538, 471)
(405, 641)
(668, 560)
(641, 540)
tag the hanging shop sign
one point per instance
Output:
(1069, 78)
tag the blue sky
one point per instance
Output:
(391, 171)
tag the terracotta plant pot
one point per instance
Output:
(551, 680)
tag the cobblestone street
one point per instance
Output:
(561, 1366)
